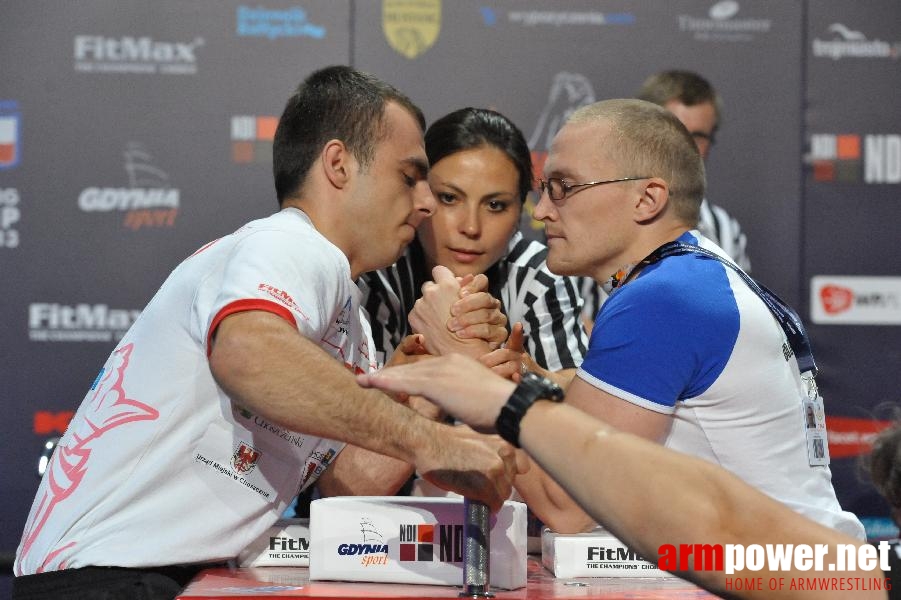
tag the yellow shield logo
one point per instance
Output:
(411, 26)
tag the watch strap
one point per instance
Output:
(531, 387)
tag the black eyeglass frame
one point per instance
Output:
(710, 138)
(547, 185)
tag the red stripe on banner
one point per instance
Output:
(850, 437)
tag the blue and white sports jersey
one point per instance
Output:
(687, 337)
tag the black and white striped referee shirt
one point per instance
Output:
(548, 305)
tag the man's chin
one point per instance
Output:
(383, 260)
(562, 267)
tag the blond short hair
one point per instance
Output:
(646, 139)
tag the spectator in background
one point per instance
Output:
(694, 102)
(698, 106)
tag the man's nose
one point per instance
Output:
(545, 207)
(424, 200)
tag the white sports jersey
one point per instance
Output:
(158, 467)
(688, 337)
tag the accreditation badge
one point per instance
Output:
(814, 419)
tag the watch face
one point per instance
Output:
(549, 390)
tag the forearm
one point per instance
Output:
(361, 472)
(561, 377)
(649, 496)
(265, 366)
(592, 462)
(550, 503)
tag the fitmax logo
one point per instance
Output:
(143, 55)
(81, 316)
(601, 553)
(600, 557)
(51, 322)
(289, 544)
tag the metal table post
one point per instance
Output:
(476, 534)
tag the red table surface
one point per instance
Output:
(294, 582)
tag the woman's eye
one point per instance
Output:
(445, 198)
(497, 206)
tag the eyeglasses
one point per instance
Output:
(703, 140)
(557, 189)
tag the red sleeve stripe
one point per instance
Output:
(241, 306)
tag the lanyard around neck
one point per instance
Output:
(784, 314)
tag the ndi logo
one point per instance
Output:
(852, 158)
(274, 24)
(417, 543)
(252, 137)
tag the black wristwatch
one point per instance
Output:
(531, 387)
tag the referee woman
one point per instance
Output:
(481, 172)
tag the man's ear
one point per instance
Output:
(652, 199)
(337, 162)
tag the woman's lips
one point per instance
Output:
(464, 256)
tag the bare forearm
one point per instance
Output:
(591, 461)
(550, 503)
(263, 364)
(561, 377)
(649, 496)
(361, 472)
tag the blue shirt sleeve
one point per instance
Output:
(665, 336)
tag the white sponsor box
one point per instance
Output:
(594, 554)
(409, 540)
(285, 544)
(422, 488)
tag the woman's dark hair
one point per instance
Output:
(470, 128)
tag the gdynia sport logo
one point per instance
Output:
(814, 561)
